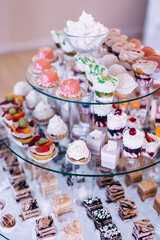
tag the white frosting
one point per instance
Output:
(112, 145)
(151, 146)
(116, 69)
(83, 61)
(100, 52)
(57, 126)
(126, 83)
(32, 98)
(78, 150)
(96, 134)
(109, 60)
(133, 141)
(51, 148)
(111, 39)
(102, 110)
(21, 88)
(130, 55)
(147, 67)
(65, 45)
(115, 122)
(43, 111)
(105, 83)
(122, 45)
(135, 124)
(56, 35)
(114, 31)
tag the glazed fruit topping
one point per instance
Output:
(148, 137)
(132, 119)
(31, 123)
(22, 123)
(118, 112)
(15, 117)
(33, 141)
(12, 111)
(10, 98)
(42, 141)
(132, 131)
(42, 149)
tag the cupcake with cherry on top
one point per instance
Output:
(11, 100)
(41, 148)
(12, 116)
(25, 131)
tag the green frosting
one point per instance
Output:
(85, 60)
(102, 79)
(101, 94)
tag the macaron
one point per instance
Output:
(136, 41)
(155, 58)
(148, 51)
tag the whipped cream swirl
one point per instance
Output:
(43, 111)
(133, 141)
(78, 150)
(57, 126)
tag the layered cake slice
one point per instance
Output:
(156, 204)
(62, 204)
(10, 161)
(16, 174)
(143, 229)
(30, 209)
(114, 192)
(101, 217)
(127, 209)
(147, 188)
(49, 184)
(45, 228)
(92, 204)
(104, 181)
(38, 171)
(21, 190)
(110, 232)
(72, 231)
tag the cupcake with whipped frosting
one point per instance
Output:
(100, 114)
(118, 46)
(127, 57)
(126, 83)
(116, 69)
(133, 122)
(78, 152)
(32, 99)
(144, 70)
(21, 89)
(116, 122)
(151, 145)
(56, 129)
(133, 140)
(42, 112)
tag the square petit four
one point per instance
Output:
(37, 171)
(104, 180)
(72, 231)
(114, 192)
(127, 209)
(29, 209)
(134, 177)
(49, 184)
(95, 140)
(62, 204)
(92, 204)
(143, 229)
(16, 174)
(110, 155)
(147, 188)
(9, 161)
(110, 232)
(156, 204)
(45, 228)
(101, 217)
(21, 190)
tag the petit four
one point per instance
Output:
(12, 116)
(29, 209)
(42, 112)
(92, 204)
(143, 229)
(45, 228)
(114, 191)
(40, 65)
(110, 232)
(116, 47)
(127, 209)
(151, 145)
(10, 161)
(134, 177)
(21, 190)
(101, 217)
(21, 88)
(62, 204)
(156, 204)
(11, 101)
(78, 152)
(126, 83)
(110, 155)
(112, 39)
(38, 171)
(7, 221)
(56, 129)
(136, 41)
(72, 231)
(116, 69)
(45, 53)
(147, 188)
(95, 140)
(70, 89)
(128, 56)
(16, 174)
(148, 51)
(48, 79)
(105, 180)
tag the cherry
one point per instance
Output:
(132, 131)
(118, 112)
(148, 137)
(132, 119)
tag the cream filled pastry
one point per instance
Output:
(21, 89)
(42, 112)
(128, 56)
(116, 122)
(133, 140)
(126, 83)
(78, 151)
(112, 39)
(56, 129)
(151, 145)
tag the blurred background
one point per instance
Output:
(25, 25)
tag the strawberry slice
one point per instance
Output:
(149, 139)
(42, 149)
(33, 141)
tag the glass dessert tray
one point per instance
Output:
(136, 94)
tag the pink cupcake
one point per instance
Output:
(40, 65)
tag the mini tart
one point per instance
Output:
(57, 137)
(83, 160)
(42, 120)
(27, 133)
(45, 53)
(15, 102)
(13, 118)
(41, 151)
(39, 66)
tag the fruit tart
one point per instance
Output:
(11, 100)
(41, 148)
(25, 131)
(12, 116)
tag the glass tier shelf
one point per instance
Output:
(137, 94)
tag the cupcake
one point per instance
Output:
(70, 89)
(11, 101)
(118, 46)
(40, 65)
(116, 122)
(56, 128)
(25, 131)
(128, 56)
(46, 53)
(78, 152)
(133, 122)
(116, 69)
(48, 79)
(32, 99)
(104, 87)
(133, 140)
(111, 39)
(151, 145)
(41, 148)
(100, 115)
(109, 60)
(144, 70)
(21, 89)
(126, 83)
(42, 112)
(12, 116)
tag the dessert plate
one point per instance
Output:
(42, 161)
